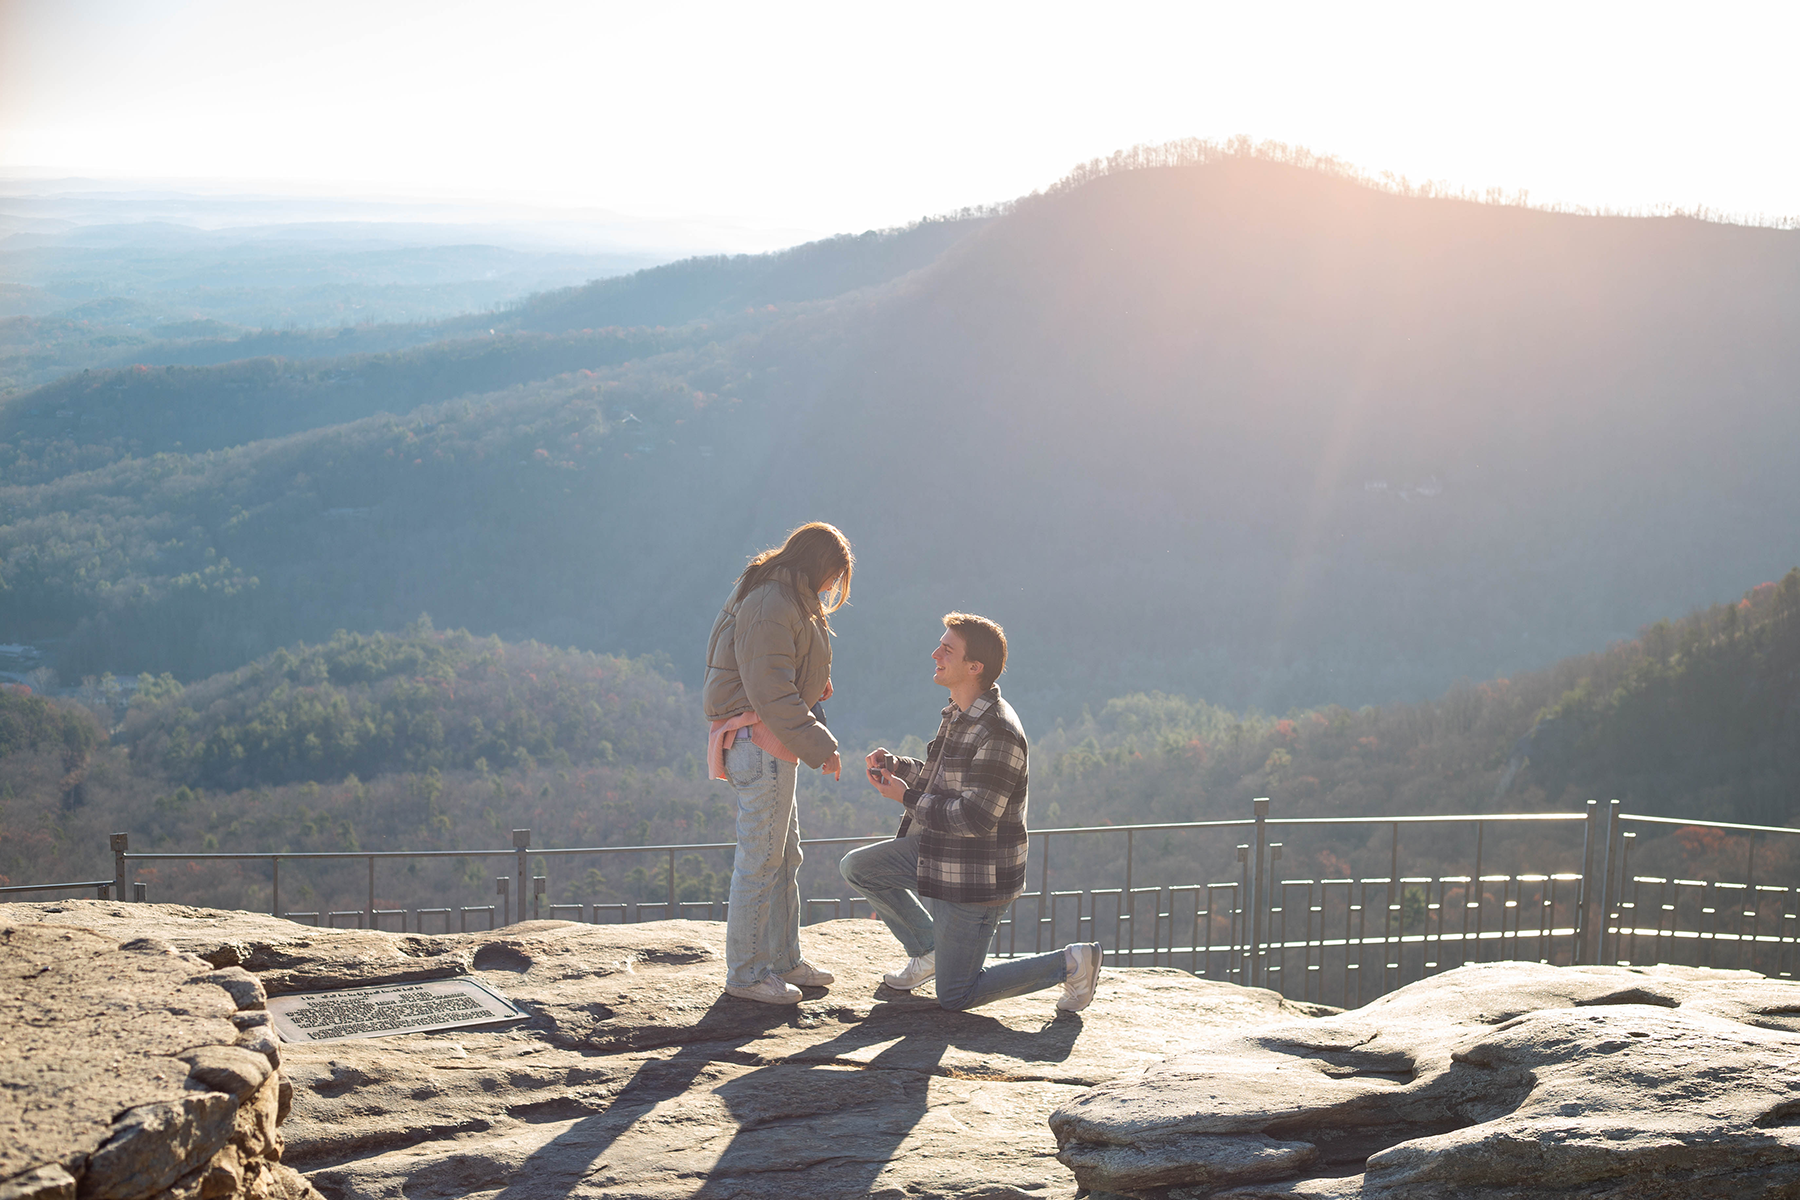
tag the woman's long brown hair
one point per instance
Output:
(814, 554)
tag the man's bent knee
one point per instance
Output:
(961, 1003)
(847, 868)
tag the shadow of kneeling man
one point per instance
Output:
(830, 1119)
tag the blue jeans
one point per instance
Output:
(762, 926)
(959, 934)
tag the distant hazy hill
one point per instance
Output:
(698, 288)
(1233, 429)
(214, 392)
(92, 418)
(157, 292)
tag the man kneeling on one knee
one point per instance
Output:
(945, 880)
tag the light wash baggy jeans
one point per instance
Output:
(762, 926)
(959, 934)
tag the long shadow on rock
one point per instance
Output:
(845, 1105)
(924, 1031)
(718, 1037)
(835, 1108)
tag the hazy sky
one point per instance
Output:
(791, 118)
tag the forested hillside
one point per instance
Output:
(416, 740)
(374, 705)
(1207, 424)
(520, 512)
(1698, 717)
(429, 740)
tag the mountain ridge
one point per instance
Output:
(1161, 396)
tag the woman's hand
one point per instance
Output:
(833, 766)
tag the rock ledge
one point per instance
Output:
(128, 1070)
(1507, 1081)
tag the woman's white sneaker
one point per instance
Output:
(806, 975)
(1084, 974)
(767, 990)
(916, 971)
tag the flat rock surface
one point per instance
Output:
(637, 1076)
(1494, 1082)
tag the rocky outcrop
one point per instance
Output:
(637, 1077)
(1495, 1082)
(130, 1070)
(134, 1026)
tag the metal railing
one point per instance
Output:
(102, 888)
(1340, 938)
(1650, 919)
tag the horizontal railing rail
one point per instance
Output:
(102, 886)
(1328, 936)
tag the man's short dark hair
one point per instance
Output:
(983, 642)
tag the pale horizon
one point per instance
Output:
(771, 127)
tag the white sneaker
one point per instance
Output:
(1084, 974)
(768, 989)
(805, 975)
(916, 971)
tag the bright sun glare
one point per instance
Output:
(814, 118)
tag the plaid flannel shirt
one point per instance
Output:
(972, 840)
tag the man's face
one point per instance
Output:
(952, 667)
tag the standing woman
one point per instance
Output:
(768, 664)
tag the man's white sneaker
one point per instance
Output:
(805, 975)
(1084, 973)
(768, 990)
(915, 972)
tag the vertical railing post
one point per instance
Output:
(1260, 807)
(1125, 904)
(503, 889)
(521, 842)
(1279, 942)
(274, 885)
(1480, 827)
(671, 883)
(121, 843)
(1128, 847)
(538, 885)
(1394, 852)
(1753, 907)
(1584, 893)
(371, 924)
(1626, 841)
(1239, 926)
(1609, 835)
(1397, 910)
